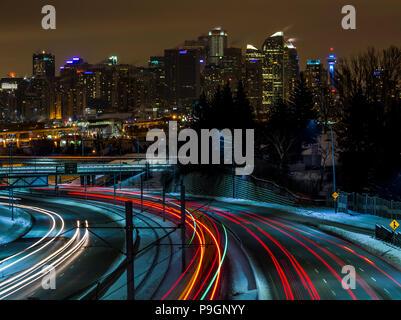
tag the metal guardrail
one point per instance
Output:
(382, 233)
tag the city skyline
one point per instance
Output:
(135, 36)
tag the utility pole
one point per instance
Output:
(334, 168)
(56, 182)
(120, 167)
(233, 183)
(183, 226)
(83, 145)
(85, 181)
(141, 192)
(129, 229)
(164, 201)
(114, 186)
(11, 190)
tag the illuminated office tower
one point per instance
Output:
(254, 79)
(280, 70)
(291, 71)
(157, 68)
(316, 79)
(217, 44)
(332, 60)
(43, 65)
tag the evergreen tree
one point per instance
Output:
(369, 129)
(242, 113)
(284, 132)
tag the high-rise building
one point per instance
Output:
(233, 66)
(12, 98)
(212, 79)
(216, 45)
(273, 70)
(280, 70)
(202, 44)
(254, 79)
(107, 86)
(157, 67)
(182, 76)
(316, 79)
(43, 65)
(291, 71)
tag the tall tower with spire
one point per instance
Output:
(332, 60)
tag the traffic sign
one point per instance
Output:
(70, 168)
(335, 195)
(394, 224)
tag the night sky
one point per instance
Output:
(133, 30)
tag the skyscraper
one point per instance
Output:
(232, 64)
(273, 70)
(182, 76)
(217, 45)
(316, 79)
(291, 71)
(43, 65)
(254, 79)
(157, 67)
(280, 70)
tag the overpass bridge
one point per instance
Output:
(82, 169)
(36, 176)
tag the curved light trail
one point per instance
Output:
(288, 249)
(202, 276)
(32, 274)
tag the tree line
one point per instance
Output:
(364, 112)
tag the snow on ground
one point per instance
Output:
(12, 230)
(352, 218)
(355, 219)
(386, 250)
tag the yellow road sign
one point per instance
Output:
(394, 224)
(335, 195)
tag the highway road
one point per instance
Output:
(59, 238)
(289, 257)
(99, 244)
(205, 246)
(292, 259)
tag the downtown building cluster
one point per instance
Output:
(170, 84)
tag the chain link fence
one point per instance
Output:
(363, 203)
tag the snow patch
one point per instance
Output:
(383, 249)
(11, 230)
